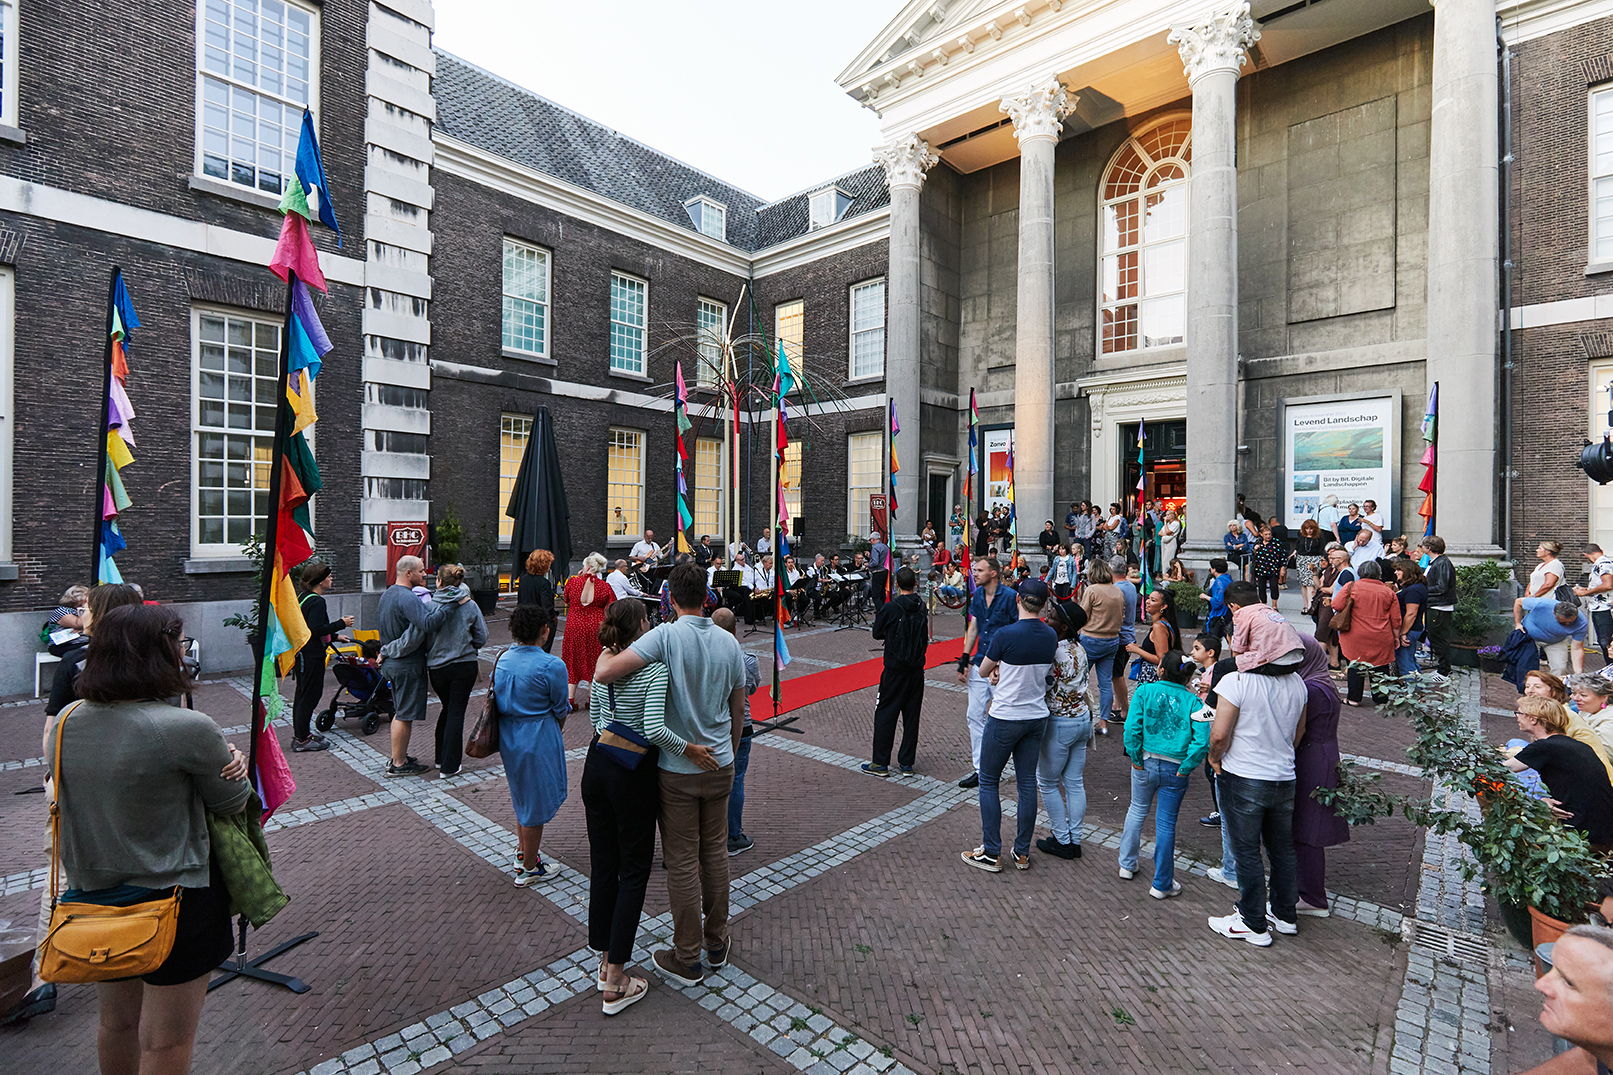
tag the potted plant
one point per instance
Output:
(1190, 601)
(482, 572)
(1490, 659)
(447, 537)
(1529, 860)
(1475, 621)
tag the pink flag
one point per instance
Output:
(295, 253)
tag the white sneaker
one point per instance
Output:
(1312, 912)
(1219, 876)
(1161, 894)
(1127, 875)
(1287, 929)
(1232, 926)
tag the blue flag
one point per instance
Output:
(311, 174)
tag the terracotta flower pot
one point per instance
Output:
(1545, 930)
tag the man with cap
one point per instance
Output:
(1020, 656)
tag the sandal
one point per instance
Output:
(637, 989)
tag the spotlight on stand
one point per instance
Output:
(1596, 460)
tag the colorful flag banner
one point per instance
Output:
(680, 416)
(1013, 504)
(1142, 506)
(896, 468)
(968, 498)
(117, 437)
(783, 385)
(1430, 460)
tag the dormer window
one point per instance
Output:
(827, 206)
(709, 217)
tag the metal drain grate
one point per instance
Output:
(1449, 943)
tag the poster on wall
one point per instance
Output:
(1345, 448)
(998, 487)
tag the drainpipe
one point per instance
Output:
(1508, 275)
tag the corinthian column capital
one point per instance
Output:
(1219, 42)
(905, 161)
(1039, 112)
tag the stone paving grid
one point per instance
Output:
(1437, 1028)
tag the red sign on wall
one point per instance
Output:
(403, 539)
(876, 511)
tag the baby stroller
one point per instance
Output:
(362, 692)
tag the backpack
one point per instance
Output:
(908, 638)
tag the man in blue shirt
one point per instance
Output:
(991, 609)
(1217, 617)
(1559, 626)
(1020, 656)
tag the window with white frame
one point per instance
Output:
(624, 484)
(826, 206)
(629, 318)
(1601, 172)
(237, 359)
(8, 63)
(708, 486)
(1143, 224)
(709, 217)
(789, 325)
(868, 329)
(514, 430)
(865, 474)
(7, 405)
(526, 298)
(711, 324)
(255, 64)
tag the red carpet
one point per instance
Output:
(800, 691)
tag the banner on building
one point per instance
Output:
(1346, 448)
(877, 513)
(403, 539)
(998, 488)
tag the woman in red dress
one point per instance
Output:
(587, 597)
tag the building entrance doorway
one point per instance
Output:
(1164, 463)
(937, 508)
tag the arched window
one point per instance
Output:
(1143, 229)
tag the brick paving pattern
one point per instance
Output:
(861, 942)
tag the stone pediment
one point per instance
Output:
(919, 23)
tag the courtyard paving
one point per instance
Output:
(861, 942)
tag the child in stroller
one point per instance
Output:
(362, 692)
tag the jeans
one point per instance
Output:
(736, 797)
(979, 699)
(1021, 740)
(1229, 858)
(1603, 623)
(1437, 625)
(620, 805)
(1261, 813)
(453, 683)
(694, 844)
(1063, 764)
(1406, 656)
(1157, 779)
(1355, 682)
(1101, 653)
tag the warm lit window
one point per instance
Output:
(236, 363)
(789, 325)
(868, 330)
(624, 485)
(526, 299)
(255, 75)
(1602, 174)
(708, 487)
(711, 324)
(709, 217)
(629, 316)
(514, 430)
(1143, 223)
(791, 477)
(8, 63)
(865, 474)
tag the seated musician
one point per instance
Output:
(622, 585)
(738, 597)
(761, 583)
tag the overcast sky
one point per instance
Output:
(743, 89)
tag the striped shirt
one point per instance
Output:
(639, 701)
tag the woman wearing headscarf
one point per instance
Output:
(1316, 765)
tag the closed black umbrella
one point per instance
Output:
(538, 501)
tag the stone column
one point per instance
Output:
(1213, 50)
(1464, 240)
(905, 162)
(1038, 116)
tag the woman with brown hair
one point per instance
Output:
(587, 597)
(1310, 553)
(315, 581)
(1542, 684)
(1411, 590)
(452, 663)
(136, 781)
(536, 587)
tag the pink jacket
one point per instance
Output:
(1261, 635)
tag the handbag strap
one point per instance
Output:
(56, 804)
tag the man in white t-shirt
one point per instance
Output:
(1258, 721)
(1598, 594)
(1327, 516)
(1372, 523)
(1361, 549)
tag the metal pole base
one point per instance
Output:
(241, 967)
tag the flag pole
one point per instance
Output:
(239, 966)
(98, 484)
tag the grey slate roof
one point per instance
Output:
(495, 115)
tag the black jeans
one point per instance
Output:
(901, 693)
(453, 683)
(310, 686)
(1438, 624)
(1355, 682)
(1267, 587)
(620, 805)
(1256, 813)
(1603, 621)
